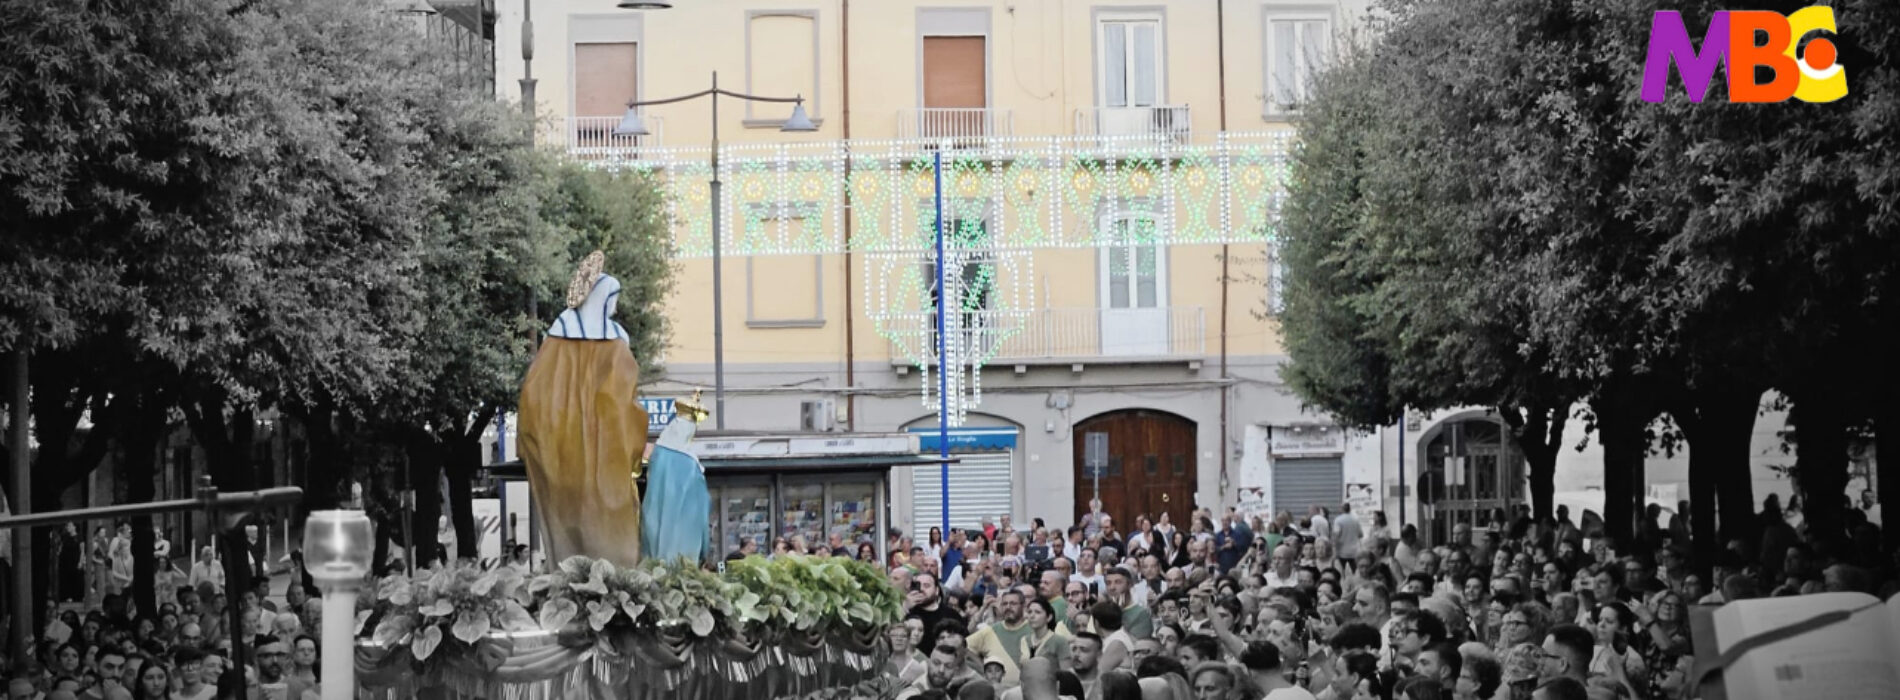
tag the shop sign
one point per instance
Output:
(1307, 440)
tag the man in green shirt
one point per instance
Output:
(1052, 584)
(1135, 618)
(1009, 637)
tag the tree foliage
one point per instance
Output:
(1485, 212)
(212, 212)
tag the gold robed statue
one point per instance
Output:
(582, 430)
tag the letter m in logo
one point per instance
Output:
(1669, 43)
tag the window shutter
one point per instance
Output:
(1145, 65)
(954, 72)
(1285, 47)
(1115, 64)
(1314, 49)
(604, 78)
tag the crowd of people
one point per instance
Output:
(1322, 606)
(98, 645)
(1336, 607)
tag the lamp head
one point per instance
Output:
(631, 124)
(798, 122)
(412, 8)
(338, 546)
(645, 5)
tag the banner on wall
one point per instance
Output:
(1252, 501)
(488, 522)
(1363, 497)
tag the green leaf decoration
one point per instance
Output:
(515, 618)
(702, 621)
(484, 584)
(599, 614)
(425, 642)
(392, 629)
(758, 596)
(471, 625)
(362, 617)
(556, 613)
(387, 588)
(402, 595)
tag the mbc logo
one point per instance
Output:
(1735, 39)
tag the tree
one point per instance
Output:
(1402, 290)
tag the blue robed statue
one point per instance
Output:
(677, 516)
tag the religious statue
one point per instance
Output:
(678, 512)
(582, 430)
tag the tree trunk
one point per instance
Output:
(140, 469)
(58, 403)
(1719, 422)
(425, 469)
(226, 440)
(327, 463)
(462, 454)
(1539, 433)
(1821, 459)
(462, 458)
(1621, 421)
(1887, 464)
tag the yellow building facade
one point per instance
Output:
(1110, 171)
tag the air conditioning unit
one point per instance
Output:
(816, 417)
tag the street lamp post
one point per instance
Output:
(633, 125)
(337, 550)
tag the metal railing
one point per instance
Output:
(1060, 334)
(594, 137)
(961, 125)
(1168, 123)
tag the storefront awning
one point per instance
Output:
(819, 464)
(841, 463)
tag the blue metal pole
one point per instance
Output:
(1403, 487)
(943, 357)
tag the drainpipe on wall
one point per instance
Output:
(850, 312)
(1226, 390)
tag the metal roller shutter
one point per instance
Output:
(980, 486)
(1300, 484)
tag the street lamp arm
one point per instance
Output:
(760, 98)
(715, 91)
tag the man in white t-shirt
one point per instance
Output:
(1319, 525)
(1346, 534)
(1282, 574)
(1262, 660)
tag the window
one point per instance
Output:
(972, 276)
(781, 61)
(605, 78)
(954, 72)
(1132, 271)
(1130, 62)
(1298, 47)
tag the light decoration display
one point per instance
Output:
(1003, 198)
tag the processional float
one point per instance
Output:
(630, 610)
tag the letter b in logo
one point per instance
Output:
(1816, 77)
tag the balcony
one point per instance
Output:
(1060, 336)
(1168, 124)
(963, 127)
(593, 138)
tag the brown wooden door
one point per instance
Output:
(1151, 466)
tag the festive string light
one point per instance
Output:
(1026, 192)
